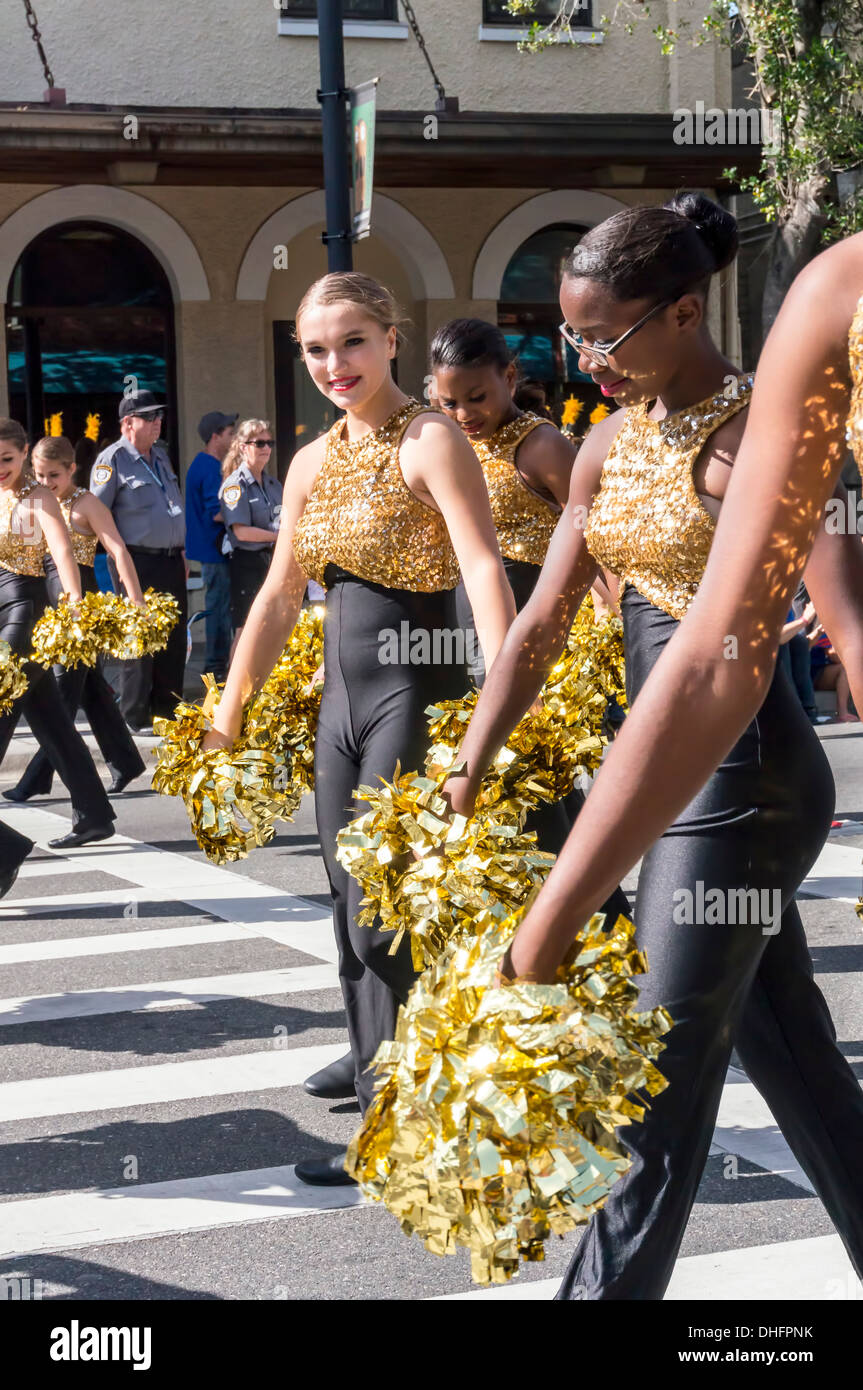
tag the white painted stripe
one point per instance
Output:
(838, 873)
(162, 938)
(164, 1208)
(219, 892)
(165, 1081)
(166, 994)
(812, 1270)
(745, 1126)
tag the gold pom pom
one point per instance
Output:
(74, 634)
(496, 1121)
(13, 681)
(234, 796)
(429, 873)
(137, 632)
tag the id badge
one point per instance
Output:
(175, 509)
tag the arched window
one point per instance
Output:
(529, 315)
(88, 307)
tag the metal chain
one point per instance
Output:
(412, 21)
(37, 39)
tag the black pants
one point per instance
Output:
(551, 821)
(248, 569)
(758, 824)
(14, 848)
(372, 716)
(85, 687)
(151, 686)
(22, 601)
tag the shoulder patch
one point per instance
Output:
(102, 473)
(231, 495)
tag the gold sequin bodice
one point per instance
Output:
(524, 521)
(362, 516)
(83, 547)
(647, 523)
(22, 542)
(854, 428)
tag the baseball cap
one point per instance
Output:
(140, 403)
(213, 422)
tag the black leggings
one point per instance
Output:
(372, 717)
(552, 821)
(22, 600)
(757, 824)
(85, 687)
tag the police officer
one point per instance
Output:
(135, 480)
(251, 502)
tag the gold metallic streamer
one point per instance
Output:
(234, 796)
(495, 1125)
(13, 681)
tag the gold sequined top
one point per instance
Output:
(22, 542)
(524, 521)
(647, 523)
(83, 546)
(854, 427)
(362, 516)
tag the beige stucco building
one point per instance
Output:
(142, 219)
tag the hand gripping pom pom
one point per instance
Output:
(427, 872)
(495, 1122)
(75, 634)
(234, 796)
(13, 681)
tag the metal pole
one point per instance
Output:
(332, 96)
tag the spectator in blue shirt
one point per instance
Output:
(205, 534)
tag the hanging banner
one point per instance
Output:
(363, 104)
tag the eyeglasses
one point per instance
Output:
(260, 443)
(600, 352)
(149, 419)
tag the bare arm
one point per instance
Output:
(45, 511)
(713, 676)
(544, 459)
(536, 638)
(101, 523)
(834, 578)
(254, 533)
(276, 606)
(436, 459)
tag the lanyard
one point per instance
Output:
(154, 473)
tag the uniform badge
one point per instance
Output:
(231, 495)
(102, 473)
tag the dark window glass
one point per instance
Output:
(353, 9)
(535, 271)
(495, 12)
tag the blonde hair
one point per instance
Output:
(14, 433)
(247, 430)
(55, 448)
(352, 287)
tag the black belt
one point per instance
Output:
(155, 550)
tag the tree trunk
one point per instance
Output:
(793, 245)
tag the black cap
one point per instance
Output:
(213, 423)
(140, 403)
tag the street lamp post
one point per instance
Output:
(332, 96)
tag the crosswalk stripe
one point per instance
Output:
(166, 994)
(121, 1089)
(813, 1270)
(161, 938)
(45, 868)
(219, 892)
(745, 1126)
(164, 1208)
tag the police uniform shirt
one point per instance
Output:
(247, 502)
(143, 496)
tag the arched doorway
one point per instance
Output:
(529, 314)
(88, 308)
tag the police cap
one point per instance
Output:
(140, 403)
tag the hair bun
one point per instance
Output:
(716, 227)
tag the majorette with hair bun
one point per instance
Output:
(31, 527)
(724, 851)
(526, 463)
(383, 510)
